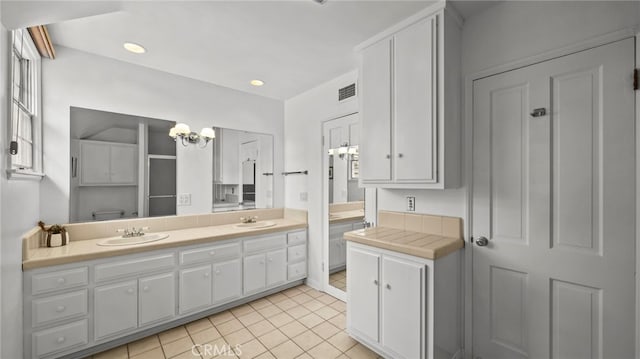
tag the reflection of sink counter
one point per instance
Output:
(182, 230)
(346, 216)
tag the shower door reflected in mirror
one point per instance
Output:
(345, 199)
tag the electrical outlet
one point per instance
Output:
(184, 199)
(304, 196)
(411, 204)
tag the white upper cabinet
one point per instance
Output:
(108, 164)
(410, 84)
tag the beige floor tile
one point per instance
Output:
(302, 298)
(324, 351)
(240, 337)
(298, 311)
(277, 297)
(287, 304)
(269, 311)
(260, 303)
(325, 330)
(215, 348)
(304, 288)
(188, 355)
(326, 299)
(343, 356)
(314, 293)
(342, 341)
(242, 310)
(206, 336)
(260, 328)
(293, 329)
(286, 350)
(266, 355)
(292, 292)
(327, 312)
(221, 317)
(273, 339)
(143, 345)
(281, 319)
(339, 306)
(115, 353)
(177, 347)
(313, 305)
(251, 349)
(229, 327)
(304, 356)
(307, 340)
(311, 320)
(174, 334)
(250, 318)
(359, 351)
(155, 353)
(340, 321)
(199, 325)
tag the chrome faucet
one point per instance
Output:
(133, 232)
(250, 219)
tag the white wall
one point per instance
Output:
(79, 79)
(303, 119)
(18, 212)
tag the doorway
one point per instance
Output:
(554, 208)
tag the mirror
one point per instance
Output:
(242, 170)
(122, 166)
(345, 197)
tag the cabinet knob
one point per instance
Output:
(61, 280)
(146, 288)
(261, 262)
(375, 281)
(61, 339)
(270, 259)
(60, 308)
(206, 275)
(388, 156)
(130, 290)
(218, 272)
(400, 155)
(212, 253)
(388, 286)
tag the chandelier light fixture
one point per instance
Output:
(187, 136)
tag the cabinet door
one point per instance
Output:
(124, 164)
(334, 253)
(363, 295)
(94, 163)
(157, 298)
(227, 281)
(254, 273)
(115, 309)
(276, 267)
(415, 120)
(195, 288)
(375, 142)
(403, 312)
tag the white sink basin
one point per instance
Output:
(256, 225)
(119, 241)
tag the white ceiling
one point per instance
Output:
(291, 45)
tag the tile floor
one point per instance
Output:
(297, 323)
(339, 280)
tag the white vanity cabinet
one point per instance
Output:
(73, 307)
(108, 164)
(337, 244)
(403, 306)
(409, 105)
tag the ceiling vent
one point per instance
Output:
(347, 92)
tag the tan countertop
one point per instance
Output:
(346, 216)
(425, 245)
(88, 249)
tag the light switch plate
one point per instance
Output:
(411, 204)
(184, 199)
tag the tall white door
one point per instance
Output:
(554, 194)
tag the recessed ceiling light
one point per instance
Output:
(135, 48)
(257, 82)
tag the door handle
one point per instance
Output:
(539, 112)
(482, 241)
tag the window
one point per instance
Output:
(25, 147)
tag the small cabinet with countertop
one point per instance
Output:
(403, 298)
(409, 103)
(71, 308)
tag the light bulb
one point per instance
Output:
(182, 129)
(172, 132)
(208, 133)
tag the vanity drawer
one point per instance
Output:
(296, 253)
(298, 270)
(108, 271)
(206, 254)
(60, 338)
(61, 306)
(297, 237)
(263, 244)
(47, 282)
